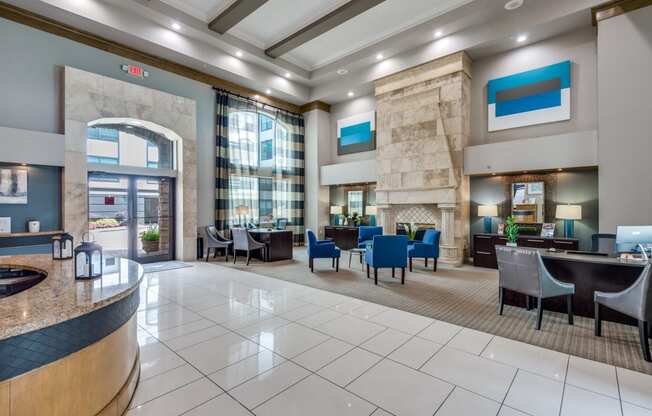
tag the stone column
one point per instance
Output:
(450, 252)
(386, 219)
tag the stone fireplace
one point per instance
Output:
(423, 125)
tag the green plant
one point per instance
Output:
(411, 231)
(511, 229)
(152, 234)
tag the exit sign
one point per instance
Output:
(135, 71)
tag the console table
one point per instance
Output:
(344, 237)
(484, 251)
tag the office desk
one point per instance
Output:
(279, 243)
(588, 273)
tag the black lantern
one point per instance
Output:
(88, 260)
(62, 247)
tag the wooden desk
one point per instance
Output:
(484, 246)
(344, 237)
(279, 243)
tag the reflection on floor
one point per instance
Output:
(218, 341)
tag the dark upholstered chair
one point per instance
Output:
(322, 249)
(243, 241)
(603, 243)
(522, 270)
(635, 301)
(216, 240)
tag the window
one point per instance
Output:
(355, 202)
(129, 146)
(266, 123)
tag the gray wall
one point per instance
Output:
(625, 137)
(575, 187)
(31, 80)
(579, 47)
(346, 109)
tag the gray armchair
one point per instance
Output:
(522, 270)
(635, 301)
(243, 241)
(216, 240)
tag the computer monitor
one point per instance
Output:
(628, 237)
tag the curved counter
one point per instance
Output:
(69, 347)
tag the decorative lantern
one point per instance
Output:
(62, 247)
(88, 260)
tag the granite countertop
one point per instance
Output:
(59, 297)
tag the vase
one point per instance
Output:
(509, 244)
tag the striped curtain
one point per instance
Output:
(259, 165)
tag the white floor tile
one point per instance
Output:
(156, 359)
(535, 395)
(290, 340)
(266, 325)
(635, 388)
(440, 332)
(402, 321)
(462, 402)
(470, 340)
(227, 312)
(479, 375)
(182, 330)
(381, 412)
(236, 374)
(386, 342)
(145, 338)
(279, 305)
(325, 299)
(217, 353)
(401, 390)
(318, 319)
(352, 330)
(263, 387)
(594, 376)
(349, 305)
(164, 383)
(508, 411)
(349, 367)
(191, 339)
(415, 352)
(579, 402)
(301, 312)
(178, 401)
(631, 410)
(315, 396)
(204, 302)
(247, 320)
(154, 320)
(548, 363)
(317, 357)
(222, 405)
(368, 310)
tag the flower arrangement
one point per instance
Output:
(511, 230)
(411, 231)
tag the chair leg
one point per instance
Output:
(426, 262)
(333, 262)
(248, 257)
(569, 306)
(410, 264)
(645, 342)
(528, 305)
(368, 275)
(350, 255)
(337, 264)
(208, 253)
(375, 276)
(598, 321)
(226, 254)
(402, 275)
(539, 313)
(235, 256)
(501, 300)
(393, 273)
(311, 261)
(434, 264)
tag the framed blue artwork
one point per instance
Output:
(356, 133)
(542, 95)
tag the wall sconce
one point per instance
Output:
(487, 211)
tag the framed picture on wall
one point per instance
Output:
(535, 188)
(13, 185)
(5, 225)
(356, 133)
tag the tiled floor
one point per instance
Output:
(218, 341)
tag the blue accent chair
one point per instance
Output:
(367, 233)
(387, 251)
(322, 249)
(426, 249)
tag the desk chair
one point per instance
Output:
(243, 241)
(216, 240)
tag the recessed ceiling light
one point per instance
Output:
(176, 26)
(268, 91)
(379, 56)
(238, 54)
(521, 38)
(513, 4)
(288, 75)
(439, 34)
(350, 94)
(342, 71)
(256, 97)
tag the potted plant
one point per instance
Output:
(411, 231)
(151, 239)
(511, 231)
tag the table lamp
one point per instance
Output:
(487, 211)
(337, 211)
(569, 213)
(371, 211)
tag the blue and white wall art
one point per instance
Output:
(538, 96)
(356, 133)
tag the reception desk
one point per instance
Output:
(588, 273)
(69, 347)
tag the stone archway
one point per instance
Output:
(89, 97)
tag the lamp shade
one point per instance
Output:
(487, 210)
(370, 210)
(336, 210)
(569, 212)
(242, 210)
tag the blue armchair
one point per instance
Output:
(322, 249)
(426, 249)
(387, 251)
(367, 233)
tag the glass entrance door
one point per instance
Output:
(132, 217)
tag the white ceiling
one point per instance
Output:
(205, 10)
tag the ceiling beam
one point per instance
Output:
(321, 26)
(616, 8)
(234, 14)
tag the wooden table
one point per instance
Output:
(279, 243)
